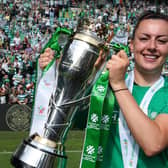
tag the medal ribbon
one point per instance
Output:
(98, 124)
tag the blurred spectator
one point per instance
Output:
(17, 78)
(1, 42)
(17, 41)
(25, 43)
(4, 92)
(5, 64)
(22, 96)
(13, 96)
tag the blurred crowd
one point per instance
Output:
(26, 26)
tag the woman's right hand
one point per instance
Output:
(46, 58)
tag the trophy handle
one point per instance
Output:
(55, 42)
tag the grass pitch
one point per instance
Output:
(9, 141)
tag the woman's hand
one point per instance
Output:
(100, 60)
(46, 58)
(117, 67)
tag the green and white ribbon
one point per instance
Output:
(98, 125)
(45, 86)
(129, 148)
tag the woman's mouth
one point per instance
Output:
(150, 57)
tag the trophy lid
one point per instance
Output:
(87, 31)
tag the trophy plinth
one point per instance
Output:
(37, 152)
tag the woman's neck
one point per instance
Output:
(145, 79)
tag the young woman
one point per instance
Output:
(139, 135)
(139, 128)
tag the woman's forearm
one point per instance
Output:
(146, 132)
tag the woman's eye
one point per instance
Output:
(162, 41)
(143, 39)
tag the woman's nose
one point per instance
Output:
(152, 45)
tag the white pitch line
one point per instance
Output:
(70, 151)
(3, 153)
(73, 151)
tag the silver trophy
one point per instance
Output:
(73, 73)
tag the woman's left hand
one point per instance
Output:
(117, 67)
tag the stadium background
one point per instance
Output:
(25, 26)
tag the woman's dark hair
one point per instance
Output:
(149, 15)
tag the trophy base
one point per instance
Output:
(33, 153)
(19, 164)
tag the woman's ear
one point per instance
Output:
(131, 46)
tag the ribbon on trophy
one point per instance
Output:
(46, 79)
(98, 125)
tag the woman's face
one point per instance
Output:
(150, 45)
